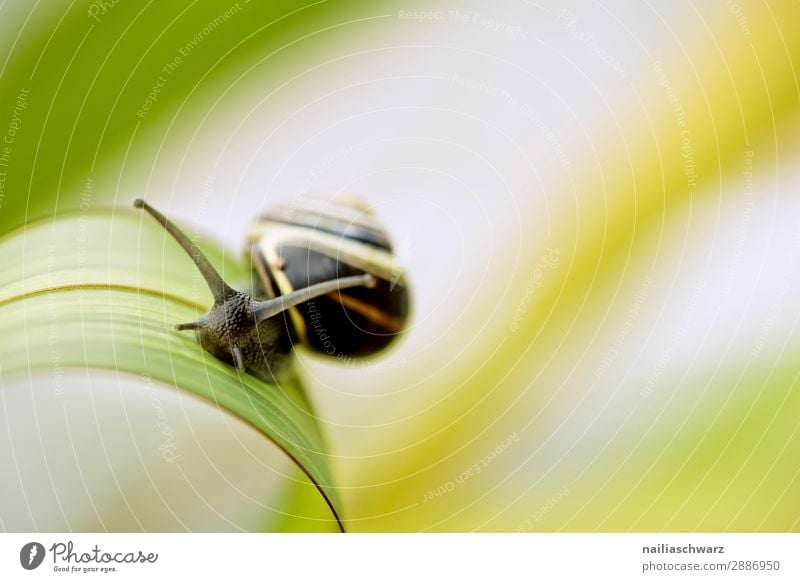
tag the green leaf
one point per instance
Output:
(105, 290)
(76, 78)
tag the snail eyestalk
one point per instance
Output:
(193, 325)
(266, 309)
(238, 359)
(219, 288)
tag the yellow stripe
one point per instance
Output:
(369, 259)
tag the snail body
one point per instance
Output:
(326, 279)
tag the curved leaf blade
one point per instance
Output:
(105, 291)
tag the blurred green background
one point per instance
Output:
(596, 204)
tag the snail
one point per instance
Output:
(326, 278)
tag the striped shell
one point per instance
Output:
(312, 240)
